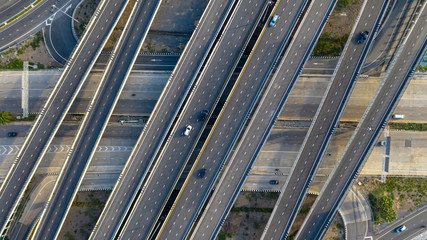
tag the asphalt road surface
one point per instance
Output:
(264, 117)
(56, 107)
(30, 23)
(59, 37)
(10, 8)
(230, 122)
(321, 131)
(414, 224)
(96, 119)
(161, 119)
(389, 34)
(368, 130)
(205, 96)
(147, 62)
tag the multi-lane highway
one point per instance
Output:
(96, 119)
(368, 130)
(30, 23)
(56, 106)
(231, 120)
(59, 36)
(264, 117)
(324, 122)
(205, 96)
(161, 120)
(10, 8)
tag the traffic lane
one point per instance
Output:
(387, 35)
(59, 36)
(41, 133)
(91, 128)
(414, 223)
(204, 98)
(228, 126)
(145, 62)
(235, 174)
(28, 24)
(165, 111)
(370, 126)
(10, 8)
(322, 128)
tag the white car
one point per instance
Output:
(188, 130)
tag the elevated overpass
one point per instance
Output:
(231, 122)
(211, 85)
(263, 118)
(131, 180)
(368, 130)
(323, 125)
(56, 106)
(96, 119)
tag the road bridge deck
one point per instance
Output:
(322, 128)
(57, 105)
(368, 130)
(231, 120)
(205, 96)
(96, 119)
(161, 119)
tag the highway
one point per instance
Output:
(149, 62)
(56, 107)
(323, 125)
(414, 223)
(10, 8)
(162, 118)
(29, 23)
(231, 121)
(96, 119)
(205, 96)
(263, 119)
(59, 36)
(367, 132)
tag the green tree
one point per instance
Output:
(5, 118)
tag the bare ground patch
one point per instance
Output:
(84, 213)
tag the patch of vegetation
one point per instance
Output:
(341, 4)
(222, 236)
(36, 40)
(382, 198)
(304, 210)
(329, 46)
(5, 118)
(409, 126)
(14, 63)
(31, 117)
(69, 236)
(422, 68)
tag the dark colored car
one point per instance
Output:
(401, 228)
(201, 173)
(204, 115)
(362, 37)
(275, 182)
(12, 134)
